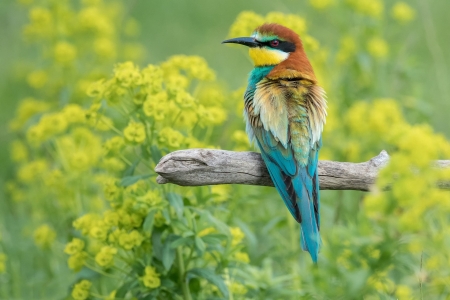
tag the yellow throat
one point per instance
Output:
(267, 57)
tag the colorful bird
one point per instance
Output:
(285, 111)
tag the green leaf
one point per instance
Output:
(180, 226)
(211, 276)
(156, 243)
(168, 255)
(199, 246)
(129, 180)
(130, 170)
(214, 239)
(217, 223)
(177, 203)
(123, 290)
(187, 233)
(181, 241)
(148, 222)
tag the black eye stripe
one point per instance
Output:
(284, 46)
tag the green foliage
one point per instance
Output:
(87, 141)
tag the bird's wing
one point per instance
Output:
(286, 140)
(267, 125)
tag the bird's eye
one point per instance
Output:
(274, 43)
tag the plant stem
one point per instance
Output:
(182, 275)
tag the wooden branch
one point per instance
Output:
(195, 167)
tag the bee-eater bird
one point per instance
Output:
(285, 111)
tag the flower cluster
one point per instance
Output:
(151, 278)
(372, 8)
(402, 12)
(247, 21)
(81, 290)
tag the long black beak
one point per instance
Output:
(247, 41)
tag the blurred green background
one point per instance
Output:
(198, 27)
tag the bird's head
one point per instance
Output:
(270, 44)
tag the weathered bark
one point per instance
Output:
(195, 167)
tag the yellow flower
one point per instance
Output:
(111, 218)
(294, 22)
(96, 89)
(41, 22)
(238, 289)
(130, 240)
(127, 74)
(183, 99)
(151, 278)
(170, 137)
(32, 171)
(403, 292)
(245, 23)
(321, 4)
(241, 139)
(28, 107)
(75, 246)
(134, 133)
(65, 53)
(111, 190)
(94, 19)
(378, 47)
(156, 106)
(206, 231)
(402, 12)
(44, 236)
(85, 222)
(136, 220)
(81, 290)
(373, 8)
(242, 257)
(77, 260)
(105, 257)
(222, 193)
(151, 198)
(79, 160)
(210, 115)
(211, 95)
(37, 79)
(99, 231)
(73, 113)
(19, 152)
(237, 235)
(152, 79)
(105, 48)
(114, 145)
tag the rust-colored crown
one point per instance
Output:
(297, 64)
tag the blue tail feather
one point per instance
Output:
(309, 236)
(298, 186)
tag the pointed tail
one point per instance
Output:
(309, 236)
